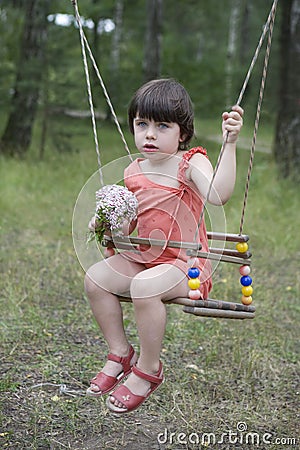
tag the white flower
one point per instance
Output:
(114, 205)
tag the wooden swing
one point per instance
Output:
(207, 307)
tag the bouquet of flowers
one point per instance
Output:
(114, 205)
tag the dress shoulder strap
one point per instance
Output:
(184, 163)
(187, 156)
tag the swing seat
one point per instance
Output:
(207, 307)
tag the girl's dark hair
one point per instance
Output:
(164, 100)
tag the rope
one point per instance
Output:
(258, 111)
(63, 389)
(85, 46)
(269, 25)
(89, 91)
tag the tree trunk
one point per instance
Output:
(287, 141)
(96, 49)
(45, 107)
(17, 134)
(115, 55)
(245, 33)
(117, 36)
(152, 57)
(231, 49)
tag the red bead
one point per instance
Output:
(246, 300)
(245, 270)
(194, 294)
(108, 252)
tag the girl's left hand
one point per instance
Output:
(232, 123)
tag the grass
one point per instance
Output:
(220, 374)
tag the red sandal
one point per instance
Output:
(107, 383)
(130, 400)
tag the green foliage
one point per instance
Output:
(194, 46)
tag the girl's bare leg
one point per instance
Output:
(103, 282)
(148, 289)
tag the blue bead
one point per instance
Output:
(246, 280)
(193, 272)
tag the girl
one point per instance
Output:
(170, 182)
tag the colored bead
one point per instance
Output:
(193, 262)
(193, 272)
(108, 252)
(242, 247)
(247, 290)
(194, 294)
(245, 270)
(246, 300)
(246, 280)
(194, 283)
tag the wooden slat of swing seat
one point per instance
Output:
(230, 237)
(210, 303)
(221, 257)
(225, 255)
(230, 252)
(130, 240)
(221, 313)
(210, 308)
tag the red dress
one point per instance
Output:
(169, 213)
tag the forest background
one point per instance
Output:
(206, 47)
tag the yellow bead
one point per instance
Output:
(246, 300)
(194, 283)
(242, 247)
(247, 290)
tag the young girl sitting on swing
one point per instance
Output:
(170, 183)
